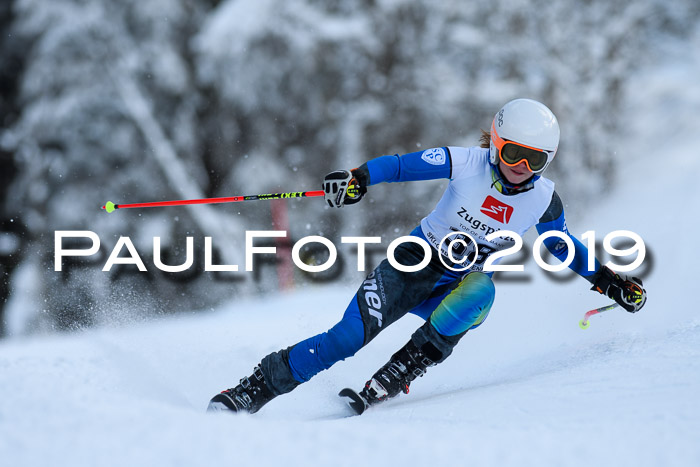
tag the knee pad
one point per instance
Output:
(466, 307)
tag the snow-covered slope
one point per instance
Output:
(527, 388)
(524, 390)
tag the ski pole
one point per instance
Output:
(110, 206)
(583, 324)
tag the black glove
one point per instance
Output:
(627, 292)
(343, 187)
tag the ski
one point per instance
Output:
(357, 403)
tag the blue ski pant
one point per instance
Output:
(451, 303)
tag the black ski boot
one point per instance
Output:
(396, 376)
(249, 396)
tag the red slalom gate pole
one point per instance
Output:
(111, 207)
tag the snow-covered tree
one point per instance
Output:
(109, 111)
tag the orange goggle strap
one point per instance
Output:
(500, 142)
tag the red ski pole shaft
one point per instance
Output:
(110, 206)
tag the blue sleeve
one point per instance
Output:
(559, 248)
(426, 165)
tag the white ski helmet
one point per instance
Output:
(524, 130)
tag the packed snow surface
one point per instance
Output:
(529, 388)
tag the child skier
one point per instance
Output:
(498, 186)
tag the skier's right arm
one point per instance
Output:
(425, 165)
(347, 187)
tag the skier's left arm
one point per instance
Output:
(627, 292)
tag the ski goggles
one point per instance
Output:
(512, 154)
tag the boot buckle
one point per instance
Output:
(257, 372)
(245, 383)
(427, 362)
